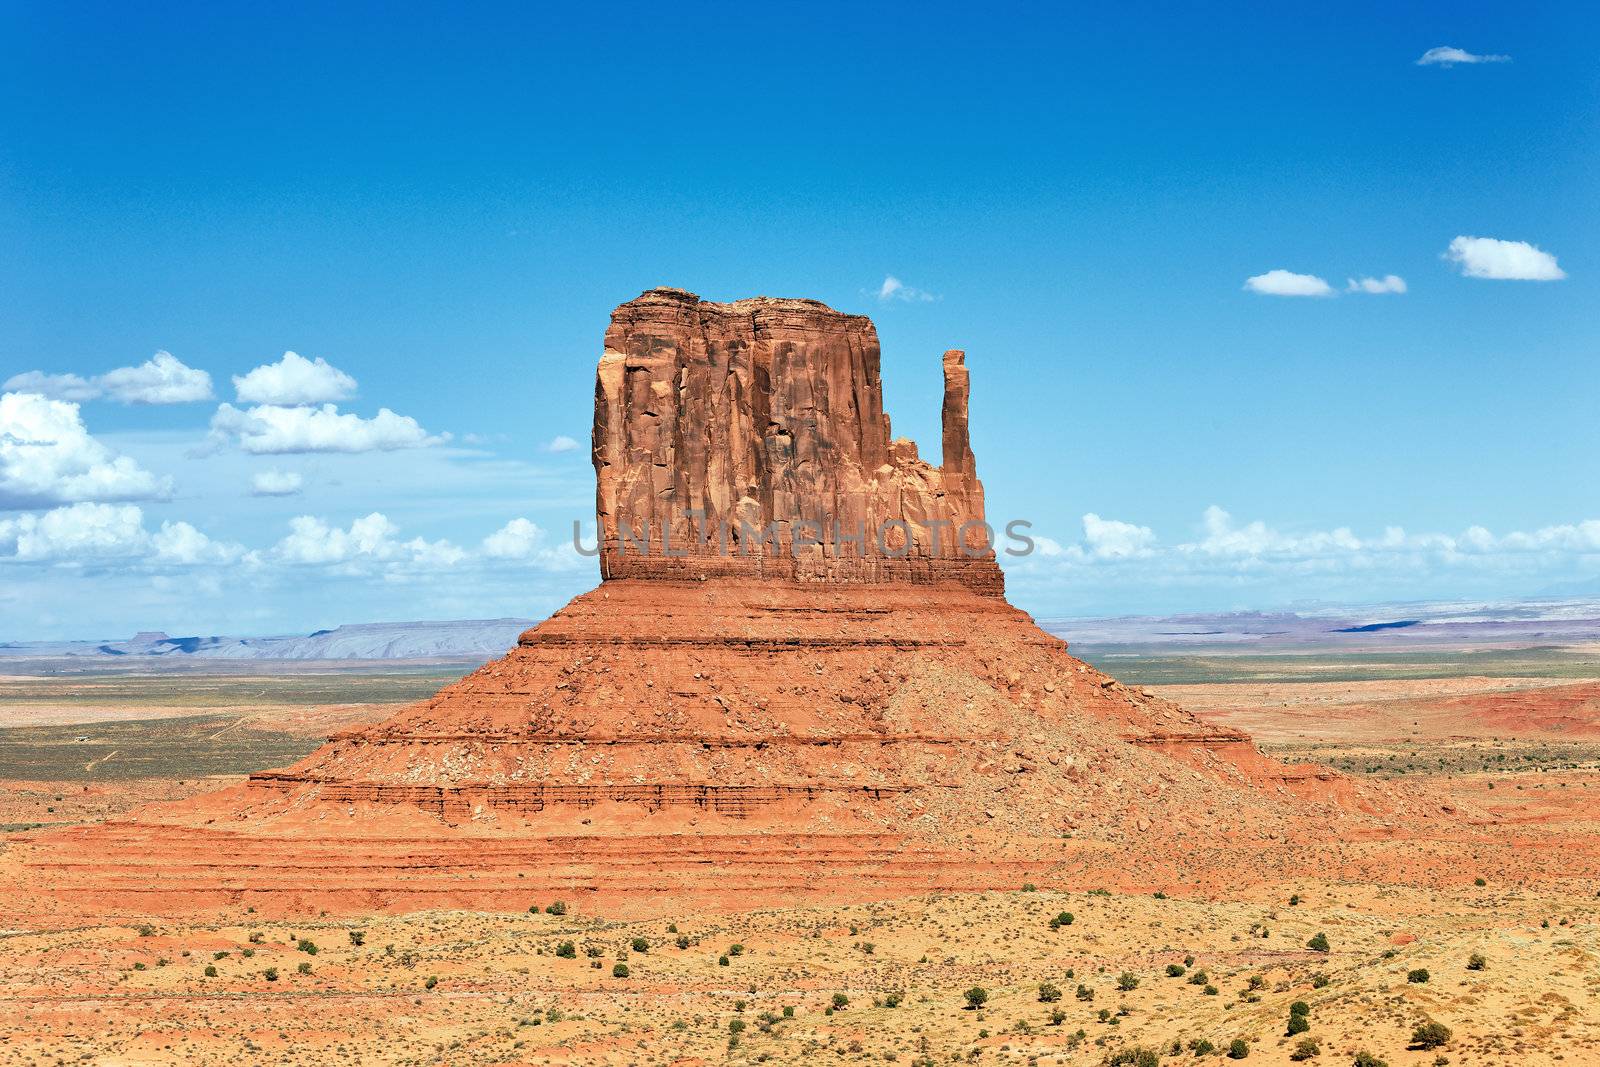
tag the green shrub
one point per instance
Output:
(1199, 978)
(1298, 1024)
(558, 908)
(1127, 981)
(682, 942)
(1479, 882)
(1367, 1059)
(270, 974)
(840, 1001)
(1084, 992)
(1476, 962)
(431, 982)
(722, 961)
(1202, 1047)
(1306, 1049)
(1299, 1007)
(567, 950)
(891, 1000)
(977, 996)
(307, 946)
(305, 967)
(1049, 992)
(1319, 981)
(641, 945)
(211, 970)
(1176, 970)
(1135, 1057)
(1063, 919)
(1238, 1049)
(736, 950)
(1418, 975)
(358, 938)
(735, 1026)
(1318, 943)
(619, 970)
(1430, 1035)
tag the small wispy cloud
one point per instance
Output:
(1288, 283)
(1488, 257)
(1389, 283)
(1447, 56)
(895, 289)
(562, 443)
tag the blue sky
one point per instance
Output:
(445, 206)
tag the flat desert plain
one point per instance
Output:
(1321, 972)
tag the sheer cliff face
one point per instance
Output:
(750, 439)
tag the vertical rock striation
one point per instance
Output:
(749, 439)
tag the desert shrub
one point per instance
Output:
(977, 996)
(1294, 899)
(1318, 943)
(147, 930)
(840, 1001)
(1479, 882)
(1306, 1049)
(534, 910)
(270, 974)
(1238, 1049)
(1430, 1035)
(358, 938)
(1367, 1059)
(1127, 981)
(431, 982)
(736, 950)
(558, 908)
(305, 967)
(1210, 991)
(1135, 1057)
(1064, 918)
(1049, 992)
(1255, 982)
(211, 970)
(1198, 978)
(1029, 887)
(307, 946)
(1202, 1047)
(1176, 970)
(257, 937)
(788, 1011)
(682, 942)
(1298, 1024)
(619, 970)
(1418, 975)
(1299, 1007)
(735, 1026)
(1476, 962)
(1057, 1016)
(1084, 992)
(594, 952)
(722, 961)
(1319, 981)
(641, 945)
(567, 950)
(891, 1000)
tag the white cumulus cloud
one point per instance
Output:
(1488, 257)
(517, 539)
(269, 429)
(69, 387)
(1110, 539)
(1288, 283)
(294, 380)
(88, 533)
(1448, 56)
(161, 379)
(1389, 283)
(47, 456)
(895, 289)
(562, 443)
(275, 483)
(373, 539)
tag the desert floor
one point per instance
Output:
(885, 982)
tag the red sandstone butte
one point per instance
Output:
(786, 721)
